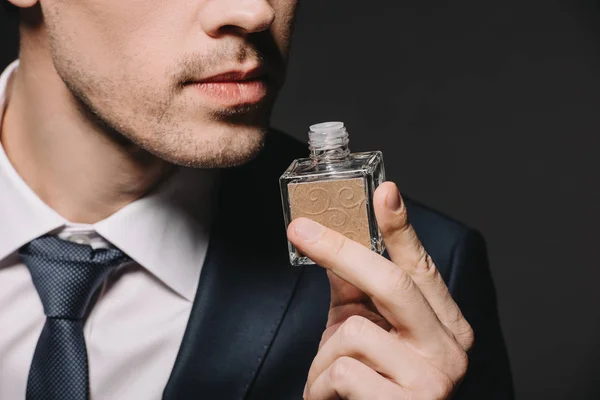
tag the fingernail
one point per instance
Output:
(307, 229)
(393, 200)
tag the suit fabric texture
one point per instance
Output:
(256, 321)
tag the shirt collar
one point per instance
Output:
(166, 231)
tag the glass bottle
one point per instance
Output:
(333, 187)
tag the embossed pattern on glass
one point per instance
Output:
(333, 187)
(337, 204)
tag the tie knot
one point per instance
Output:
(67, 274)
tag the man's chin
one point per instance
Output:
(229, 148)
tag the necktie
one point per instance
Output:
(66, 275)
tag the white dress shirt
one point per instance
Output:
(135, 328)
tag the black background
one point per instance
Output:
(490, 112)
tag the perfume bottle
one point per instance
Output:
(334, 188)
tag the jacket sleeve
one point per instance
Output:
(470, 282)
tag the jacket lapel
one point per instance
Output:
(244, 289)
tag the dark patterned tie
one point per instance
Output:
(66, 275)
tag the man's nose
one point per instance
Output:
(242, 16)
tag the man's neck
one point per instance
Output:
(72, 164)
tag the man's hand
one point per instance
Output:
(394, 331)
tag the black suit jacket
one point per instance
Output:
(256, 321)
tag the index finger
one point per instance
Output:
(392, 290)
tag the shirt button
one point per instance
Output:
(79, 238)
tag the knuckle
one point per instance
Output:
(424, 264)
(462, 363)
(351, 331)
(462, 332)
(439, 387)
(467, 336)
(338, 244)
(339, 371)
(399, 282)
(457, 362)
(455, 317)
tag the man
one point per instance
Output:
(142, 254)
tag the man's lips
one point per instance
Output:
(236, 75)
(233, 88)
(233, 93)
